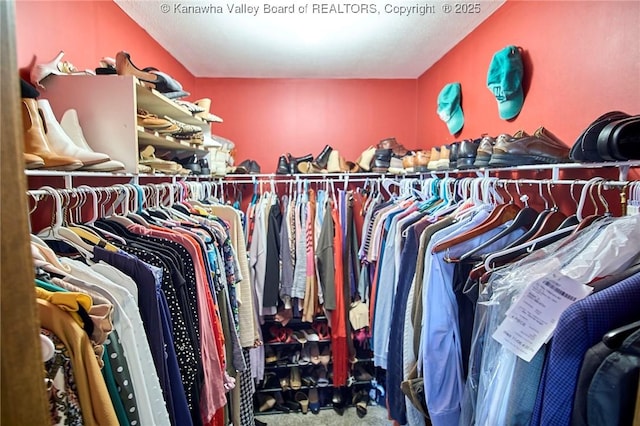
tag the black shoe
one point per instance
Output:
(259, 423)
(338, 401)
(467, 153)
(453, 154)
(254, 167)
(381, 160)
(204, 167)
(293, 162)
(283, 166)
(322, 158)
(190, 163)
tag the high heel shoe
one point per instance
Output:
(152, 77)
(41, 71)
(60, 141)
(56, 67)
(36, 142)
(124, 66)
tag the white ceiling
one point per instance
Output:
(384, 44)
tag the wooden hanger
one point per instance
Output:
(500, 215)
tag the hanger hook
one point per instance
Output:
(553, 200)
(602, 199)
(546, 203)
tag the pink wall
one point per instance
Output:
(582, 59)
(86, 31)
(270, 117)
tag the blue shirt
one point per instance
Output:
(441, 353)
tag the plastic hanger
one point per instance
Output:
(58, 232)
(500, 215)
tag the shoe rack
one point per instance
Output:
(107, 106)
(287, 374)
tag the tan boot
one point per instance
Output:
(365, 159)
(36, 143)
(32, 161)
(434, 158)
(443, 162)
(333, 165)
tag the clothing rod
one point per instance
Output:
(163, 186)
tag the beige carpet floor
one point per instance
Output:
(376, 416)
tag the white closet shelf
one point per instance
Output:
(168, 143)
(156, 103)
(623, 166)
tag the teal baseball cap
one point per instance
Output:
(449, 109)
(504, 80)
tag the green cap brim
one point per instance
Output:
(456, 121)
(511, 107)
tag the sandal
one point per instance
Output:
(322, 380)
(361, 374)
(325, 356)
(301, 398)
(360, 401)
(151, 121)
(266, 402)
(148, 158)
(322, 329)
(314, 353)
(305, 357)
(299, 336)
(310, 336)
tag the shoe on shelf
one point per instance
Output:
(322, 159)
(148, 158)
(314, 401)
(265, 402)
(541, 148)
(293, 162)
(36, 141)
(71, 126)
(467, 153)
(434, 158)
(205, 105)
(302, 399)
(325, 356)
(55, 67)
(443, 161)
(190, 106)
(484, 152)
(283, 166)
(360, 401)
(310, 335)
(391, 143)
(365, 159)
(381, 160)
(305, 356)
(299, 336)
(421, 162)
(294, 380)
(322, 330)
(620, 140)
(32, 161)
(337, 400)
(453, 155)
(61, 143)
(314, 353)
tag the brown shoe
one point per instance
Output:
(421, 162)
(392, 144)
(541, 148)
(409, 163)
(485, 150)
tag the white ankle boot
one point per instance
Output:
(71, 126)
(61, 143)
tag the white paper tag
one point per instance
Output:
(531, 320)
